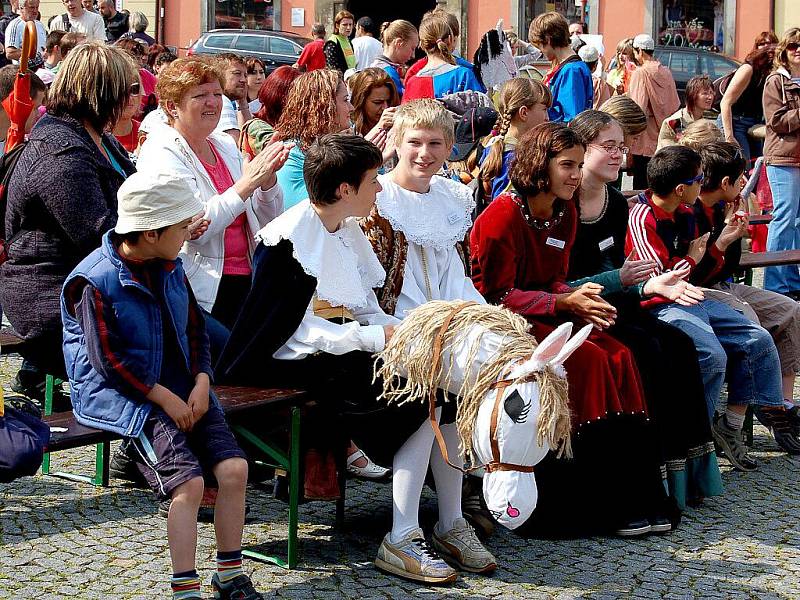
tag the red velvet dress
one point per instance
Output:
(523, 268)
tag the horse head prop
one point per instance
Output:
(512, 392)
(494, 60)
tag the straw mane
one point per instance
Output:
(411, 347)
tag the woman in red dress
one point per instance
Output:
(520, 249)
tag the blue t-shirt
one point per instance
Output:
(502, 181)
(572, 91)
(290, 178)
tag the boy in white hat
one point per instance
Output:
(602, 91)
(652, 87)
(138, 361)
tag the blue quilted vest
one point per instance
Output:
(95, 402)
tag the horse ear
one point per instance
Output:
(499, 28)
(547, 350)
(572, 345)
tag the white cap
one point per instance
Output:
(148, 202)
(644, 42)
(588, 54)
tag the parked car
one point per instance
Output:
(275, 48)
(685, 63)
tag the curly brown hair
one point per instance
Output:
(184, 73)
(533, 155)
(310, 109)
(361, 85)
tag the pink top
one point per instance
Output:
(237, 251)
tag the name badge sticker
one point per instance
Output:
(606, 244)
(555, 243)
(453, 218)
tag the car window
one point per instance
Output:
(717, 67)
(223, 42)
(281, 46)
(683, 65)
(252, 43)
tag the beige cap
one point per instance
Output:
(153, 201)
(588, 54)
(644, 42)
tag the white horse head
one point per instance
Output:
(494, 60)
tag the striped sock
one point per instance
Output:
(186, 585)
(229, 565)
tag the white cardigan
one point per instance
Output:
(166, 151)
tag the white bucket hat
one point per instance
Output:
(148, 202)
(644, 42)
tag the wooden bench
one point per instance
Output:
(238, 403)
(10, 342)
(754, 260)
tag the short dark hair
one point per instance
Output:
(720, 160)
(165, 57)
(367, 25)
(334, 159)
(133, 237)
(53, 40)
(533, 154)
(670, 167)
(8, 76)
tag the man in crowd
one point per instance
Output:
(653, 89)
(235, 111)
(8, 75)
(312, 57)
(4, 22)
(116, 22)
(52, 52)
(365, 46)
(28, 11)
(80, 20)
(88, 5)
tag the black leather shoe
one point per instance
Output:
(635, 528)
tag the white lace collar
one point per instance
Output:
(343, 262)
(438, 219)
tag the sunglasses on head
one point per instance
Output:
(693, 180)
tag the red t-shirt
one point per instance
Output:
(130, 141)
(312, 57)
(237, 251)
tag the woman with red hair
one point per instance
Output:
(272, 96)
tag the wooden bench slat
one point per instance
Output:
(232, 399)
(751, 260)
(760, 219)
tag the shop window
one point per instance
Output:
(692, 23)
(244, 14)
(566, 8)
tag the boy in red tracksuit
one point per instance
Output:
(726, 341)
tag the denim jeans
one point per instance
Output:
(783, 229)
(727, 342)
(751, 149)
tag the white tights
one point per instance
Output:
(410, 467)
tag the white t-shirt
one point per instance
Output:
(366, 49)
(14, 35)
(90, 24)
(227, 118)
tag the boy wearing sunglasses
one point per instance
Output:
(661, 227)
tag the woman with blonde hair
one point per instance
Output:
(339, 54)
(373, 96)
(620, 75)
(317, 104)
(699, 133)
(400, 38)
(522, 104)
(442, 75)
(455, 27)
(62, 199)
(782, 155)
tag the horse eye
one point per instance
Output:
(516, 408)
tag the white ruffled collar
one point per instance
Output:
(438, 219)
(342, 262)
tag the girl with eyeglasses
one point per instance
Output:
(677, 408)
(782, 154)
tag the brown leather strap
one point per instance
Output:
(494, 466)
(493, 424)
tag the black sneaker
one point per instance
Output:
(24, 384)
(731, 444)
(238, 588)
(659, 524)
(794, 420)
(634, 528)
(778, 421)
(123, 467)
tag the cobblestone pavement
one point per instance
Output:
(60, 539)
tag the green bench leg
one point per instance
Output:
(102, 450)
(291, 464)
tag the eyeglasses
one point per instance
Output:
(611, 147)
(699, 179)
(135, 89)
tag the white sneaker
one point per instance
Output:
(461, 547)
(414, 559)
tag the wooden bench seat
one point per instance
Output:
(751, 260)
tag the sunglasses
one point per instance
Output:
(699, 179)
(792, 47)
(135, 89)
